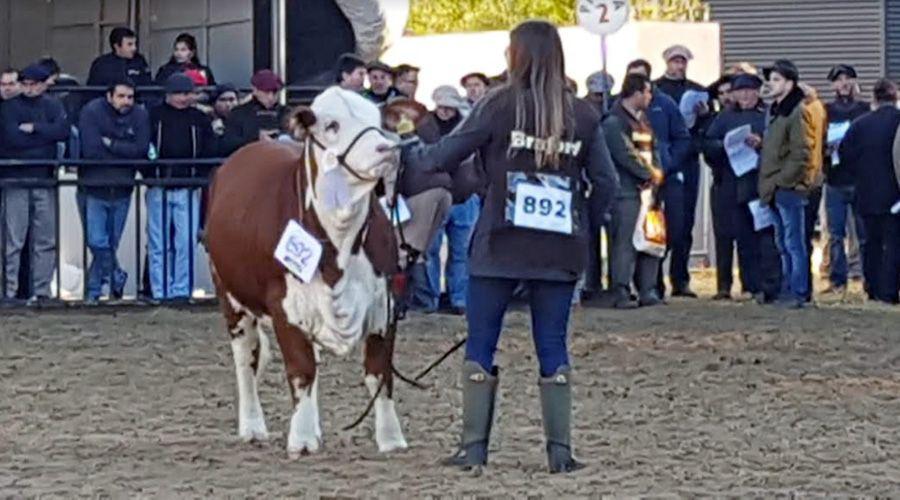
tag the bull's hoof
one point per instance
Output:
(395, 444)
(303, 451)
(253, 431)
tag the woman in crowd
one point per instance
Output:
(184, 58)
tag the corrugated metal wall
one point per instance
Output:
(892, 38)
(815, 34)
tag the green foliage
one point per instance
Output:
(449, 16)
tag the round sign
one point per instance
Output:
(602, 17)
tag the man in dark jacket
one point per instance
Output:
(123, 61)
(178, 131)
(730, 196)
(260, 119)
(675, 83)
(839, 194)
(673, 141)
(629, 137)
(866, 152)
(33, 123)
(112, 128)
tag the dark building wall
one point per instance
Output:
(816, 34)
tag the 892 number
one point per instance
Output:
(543, 207)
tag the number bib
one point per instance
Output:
(541, 202)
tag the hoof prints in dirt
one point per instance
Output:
(687, 400)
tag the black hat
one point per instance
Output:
(224, 88)
(35, 73)
(179, 83)
(480, 76)
(785, 68)
(841, 69)
(379, 66)
(740, 82)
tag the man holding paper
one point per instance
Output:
(839, 183)
(866, 152)
(734, 188)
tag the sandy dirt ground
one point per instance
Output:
(691, 399)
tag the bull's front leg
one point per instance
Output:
(388, 434)
(305, 433)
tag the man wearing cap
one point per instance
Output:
(675, 83)
(458, 223)
(599, 88)
(350, 73)
(381, 83)
(476, 85)
(179, 131)
(223, 101)
(843, 222)
(792, 154)
(33, 123)
(260, 119)
(112, 128)
(867, 152)
(758, 257)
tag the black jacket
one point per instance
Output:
(742, 189)
(180, 133)
(842, 110)
(676, 89)
(51, 126)
(130, 136)
(245, 121)
(109, 67)
(499, 248)
(867, 152)
(170, 68)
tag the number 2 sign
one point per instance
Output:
(602, 17)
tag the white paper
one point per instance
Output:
(837, 131)
(299, 251)
(402, 215)
(763, 216)
(896, 208)
(688, 105)
(743, 158)
(542, 207)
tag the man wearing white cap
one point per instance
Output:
(674, 84)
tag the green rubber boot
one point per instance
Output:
(556, 406)
(479, 392)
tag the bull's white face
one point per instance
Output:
(343, 117)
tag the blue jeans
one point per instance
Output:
(791, 231)
(172, 227)
(838, 206)
(104, 221)
(550, 304)
(459, 227)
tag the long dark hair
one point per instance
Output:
(537, 72)
(191, 42)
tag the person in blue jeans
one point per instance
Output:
(180, 131)
(791, 159)
(459, 227)
(111, 127)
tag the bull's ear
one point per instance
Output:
(302, 119)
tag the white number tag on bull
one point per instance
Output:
(543, 207)
(299, 251)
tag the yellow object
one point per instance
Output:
(655, 226)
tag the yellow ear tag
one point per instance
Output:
(405, 126)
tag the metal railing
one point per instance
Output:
(195, 182)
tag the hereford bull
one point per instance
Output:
(253, 197)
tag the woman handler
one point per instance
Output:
(537, 141)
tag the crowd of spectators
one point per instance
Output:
(765, 215)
